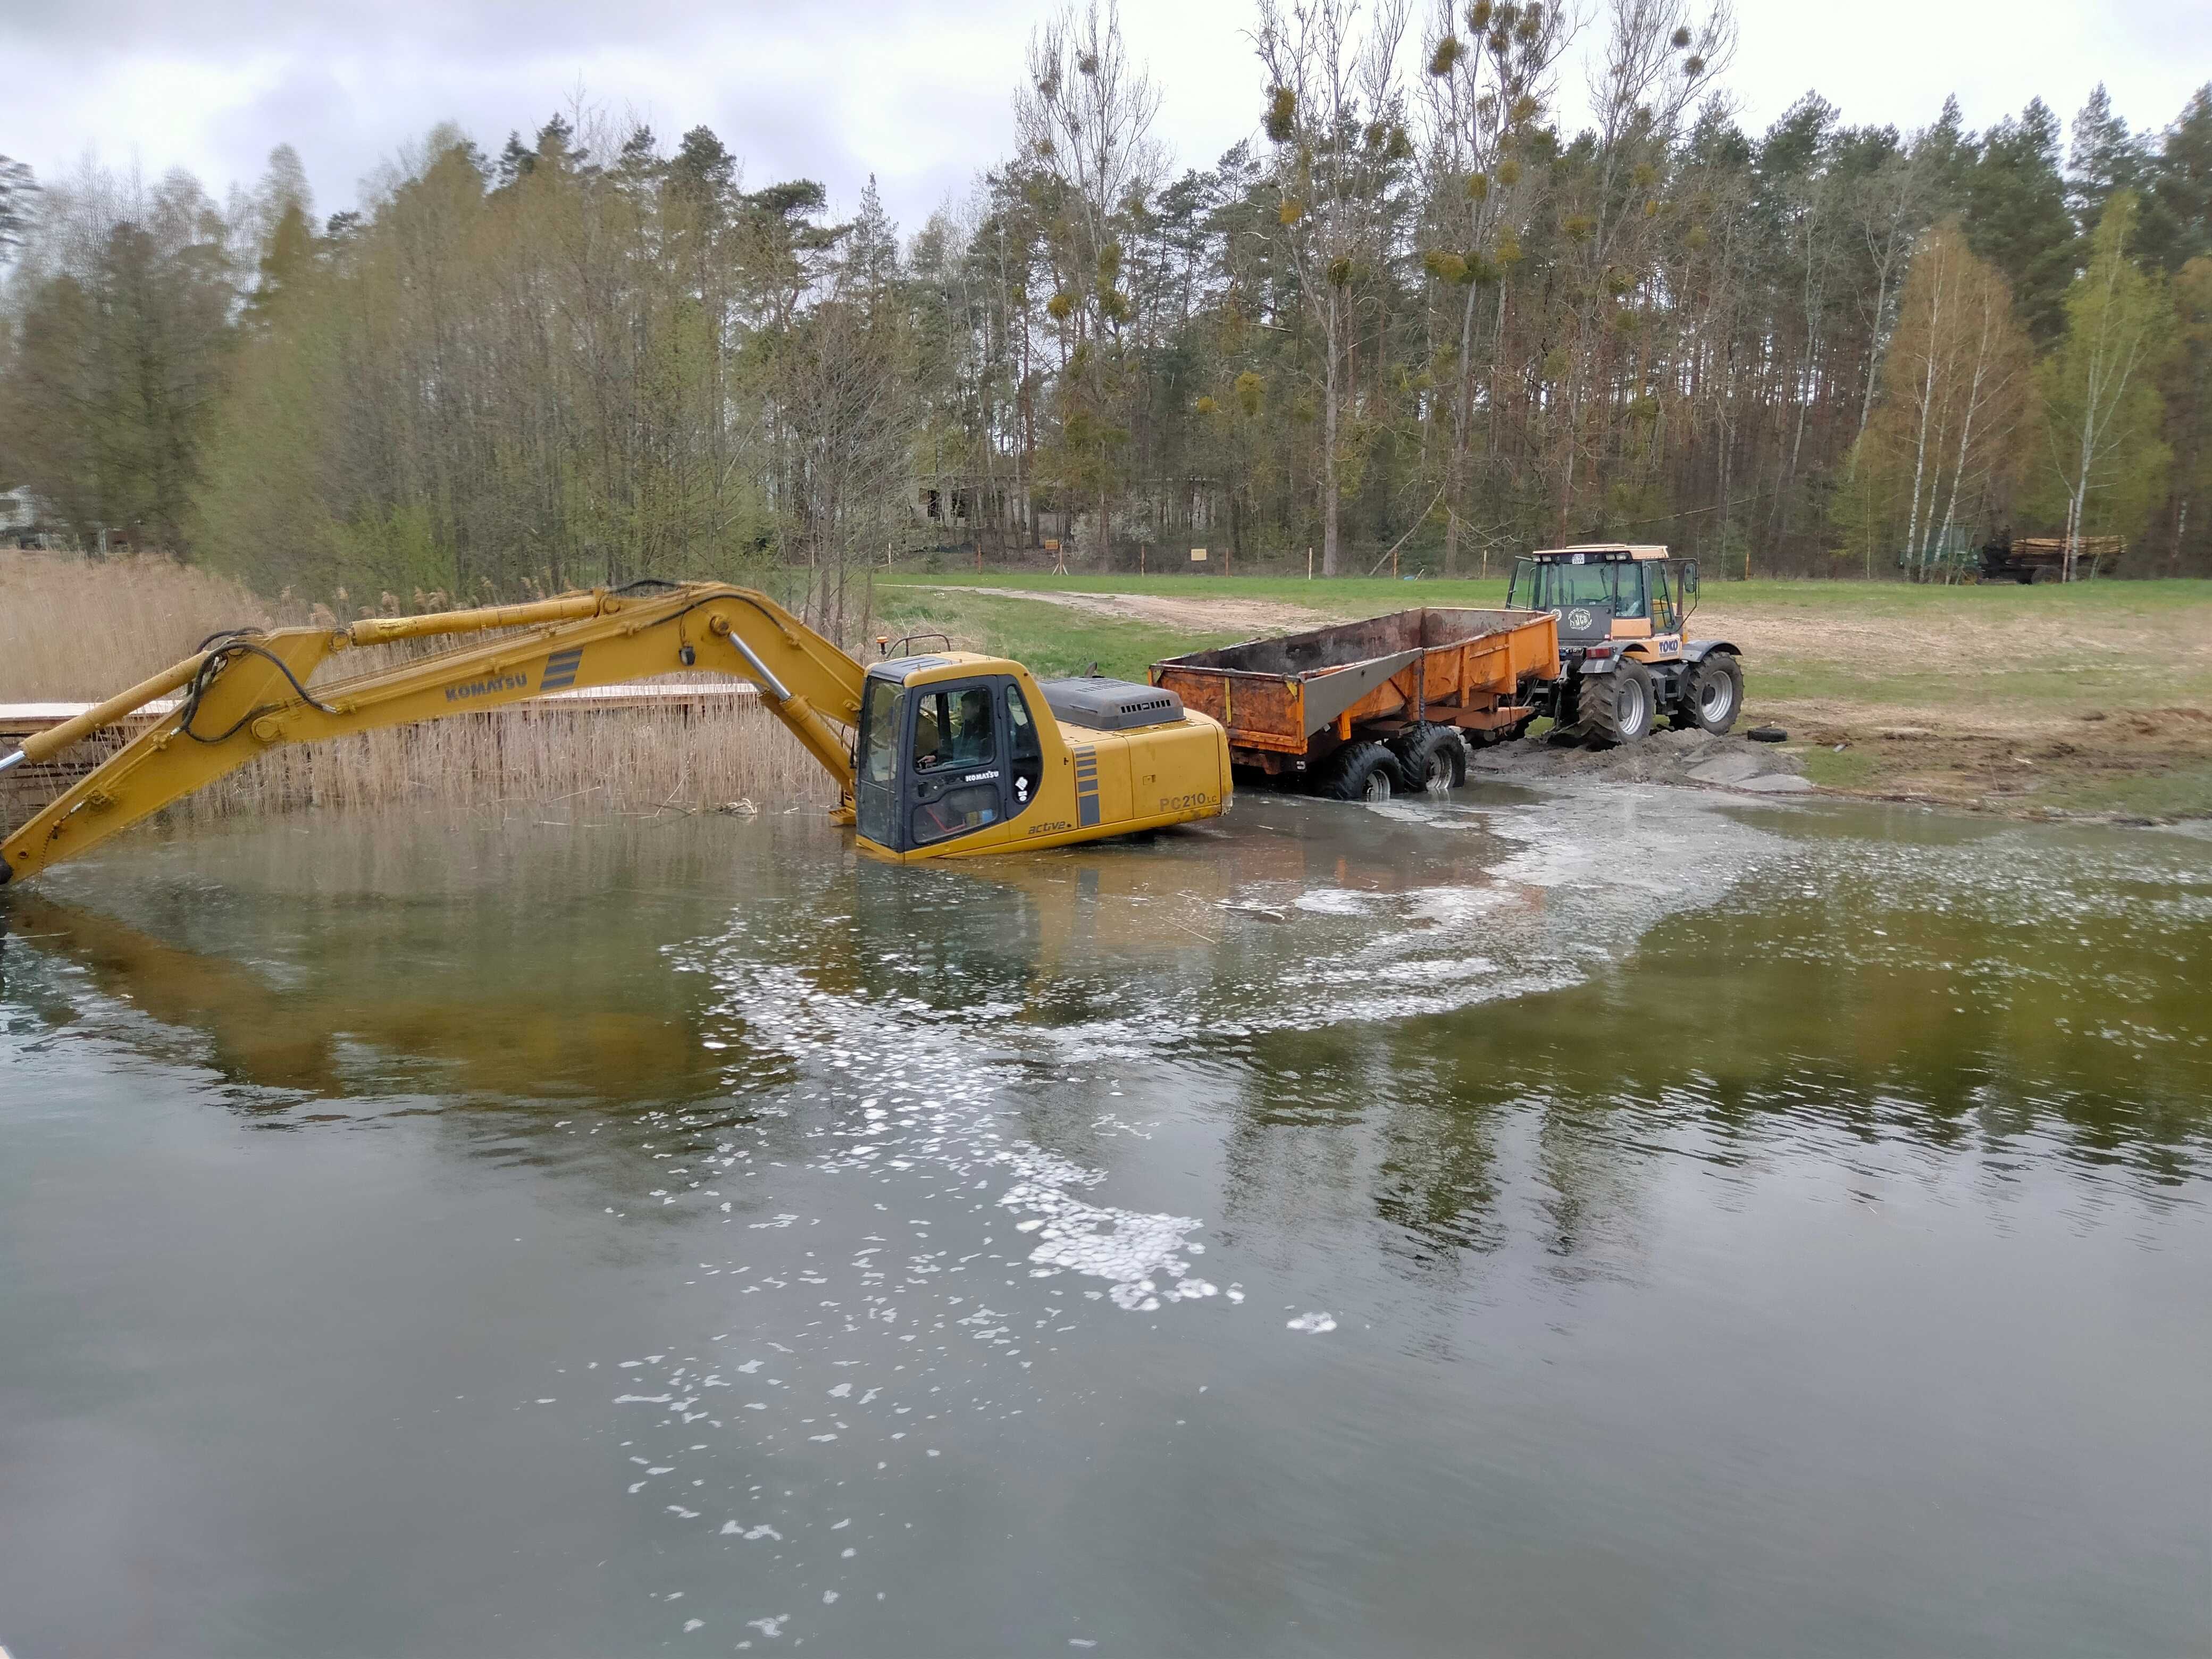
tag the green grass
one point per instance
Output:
(2177, 792)
(2161, 599)
(1049, 639)
(1363, 593)
(1854, 769)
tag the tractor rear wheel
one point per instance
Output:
(1712, 693)
(1431, 757)
(1359, 771)
(1616, 707)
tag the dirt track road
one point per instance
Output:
(1195, 616)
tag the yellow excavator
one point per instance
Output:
(952, 753)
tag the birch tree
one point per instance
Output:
(2101, 409)
(1956, 382)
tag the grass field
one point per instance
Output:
(2095, 697)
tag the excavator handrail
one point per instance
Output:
(247, 692)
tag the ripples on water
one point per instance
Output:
(908, 1130)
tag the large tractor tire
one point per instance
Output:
(1712, 695)
(1431, 757)
(1616, 707)
(1359, 771)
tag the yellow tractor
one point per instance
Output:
(952, 753)
(1624, 659)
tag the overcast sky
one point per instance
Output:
(915, 91)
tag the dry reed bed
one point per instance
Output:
(72, 630)
(76, 630)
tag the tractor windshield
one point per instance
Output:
(1543, 584)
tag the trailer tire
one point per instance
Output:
(1359, 771)
(1616, 707)
(1431, 757)
(1712, 695)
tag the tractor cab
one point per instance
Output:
(1608, 595)
(1621, 609)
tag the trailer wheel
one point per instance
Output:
(1431, 757)
(1359, 771)
(1712, 695)
(1616, 707)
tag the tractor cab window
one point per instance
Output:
(1630, 598)
(1577, 583)
(1666, 610)
(954, 728)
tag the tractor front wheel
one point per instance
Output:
(1431, 757)
(1712, 693)
(1359, 771)
(1616, 707)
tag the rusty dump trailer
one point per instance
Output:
(1362, 709)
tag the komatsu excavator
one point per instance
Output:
(953, 753)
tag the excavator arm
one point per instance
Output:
(244, 693)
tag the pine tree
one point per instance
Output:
(2017, 217)
(2177, 221)
(2104, 159)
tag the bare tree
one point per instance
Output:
(1336, 119)
(1085, 119)
(1487, 93)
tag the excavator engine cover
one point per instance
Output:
(1111, 705)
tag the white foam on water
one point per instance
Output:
(1314, 1322)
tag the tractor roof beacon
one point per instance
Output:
(1624, 658)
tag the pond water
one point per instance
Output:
(1587, 1222)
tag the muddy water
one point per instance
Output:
(1601, 1222)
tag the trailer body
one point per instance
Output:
(2031, 560)
(1289, 703)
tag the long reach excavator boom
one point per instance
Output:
(956, 753)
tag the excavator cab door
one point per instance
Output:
(959, 762)
(941, 761)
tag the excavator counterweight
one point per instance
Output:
(958, 753)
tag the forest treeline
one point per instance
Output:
(1417, 316)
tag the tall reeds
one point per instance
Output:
(76, 630)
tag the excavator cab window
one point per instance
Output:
(877, 786)
(1025, 751)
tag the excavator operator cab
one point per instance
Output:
(943, 757)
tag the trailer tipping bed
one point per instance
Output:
(1291, 701)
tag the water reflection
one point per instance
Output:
(873, 1232)
(1425, 974)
